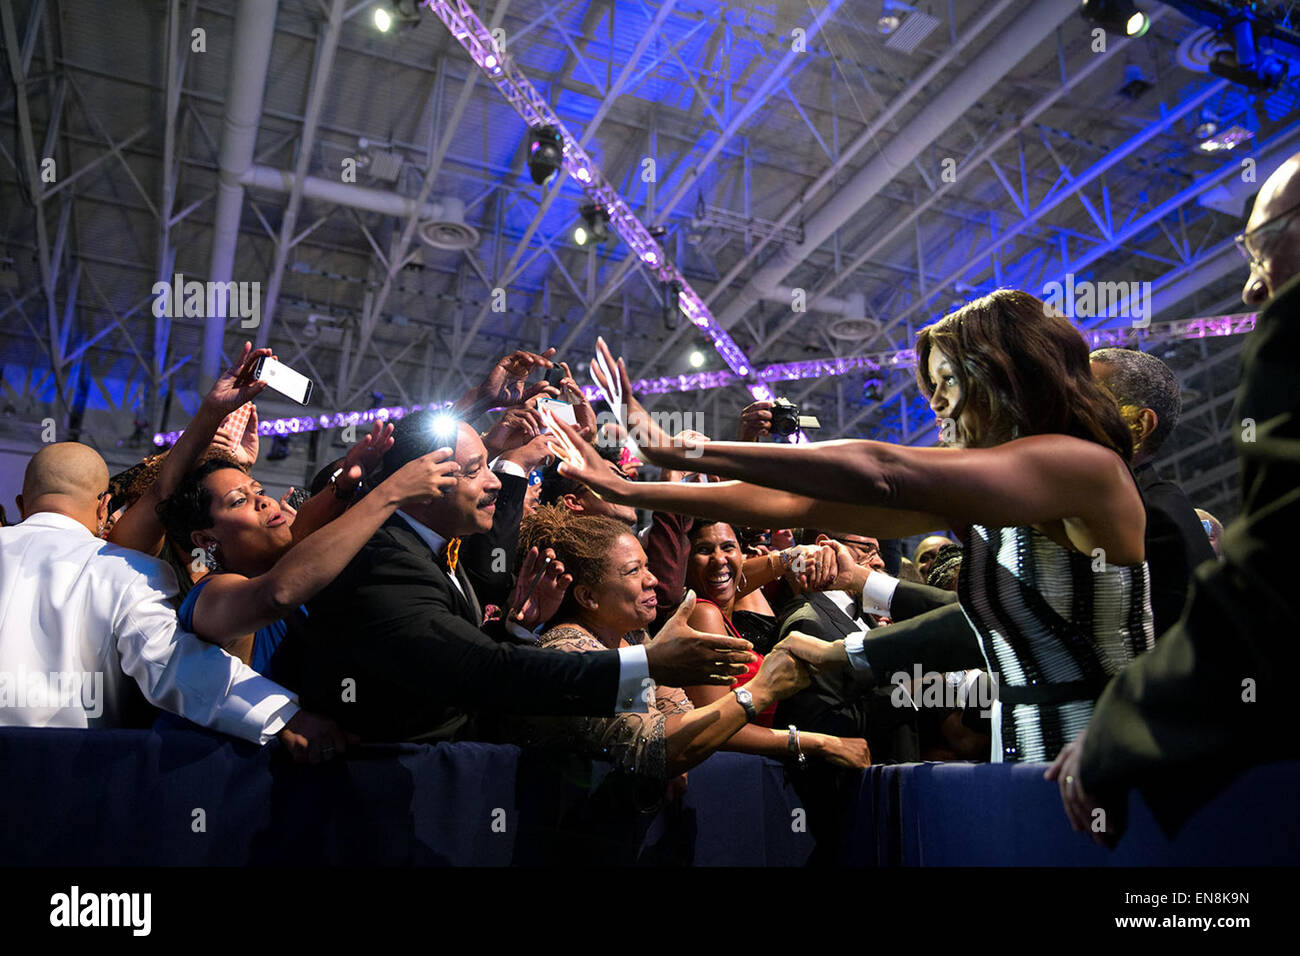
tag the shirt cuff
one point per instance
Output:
(521, 632)
(878, 593)
(635, 688)
(853, 646)
(503, 467)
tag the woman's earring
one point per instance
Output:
(742, 579)
(210, 557)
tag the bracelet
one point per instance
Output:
(795, 750)
(339, 493)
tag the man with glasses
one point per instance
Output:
(1214, 695)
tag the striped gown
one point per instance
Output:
(1053, 631)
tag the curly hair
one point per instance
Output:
(946, 567)
(1023, 370)
(582, 542)
(189, 507)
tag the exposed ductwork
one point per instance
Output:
(447, 213)
(253, 36)
(1005, 50)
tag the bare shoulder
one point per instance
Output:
(707, 617)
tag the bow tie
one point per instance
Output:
(450, 554)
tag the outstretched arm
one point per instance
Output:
(233, 605)
(1033, 480)
(735, 502)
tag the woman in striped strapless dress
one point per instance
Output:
(1033, 473)
(1055, 626)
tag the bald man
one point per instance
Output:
(79, 615)
(1215, 694)
(925, 553)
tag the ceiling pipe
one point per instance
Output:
(341, 194)
(254, 33)
(947, 107)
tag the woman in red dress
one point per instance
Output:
(713, 569)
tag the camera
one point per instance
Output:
(785, 417)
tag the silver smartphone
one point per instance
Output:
(284, 379)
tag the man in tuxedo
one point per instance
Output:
(1150, 401)
(1213, 696)
(396, 648)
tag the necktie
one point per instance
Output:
(451, 554)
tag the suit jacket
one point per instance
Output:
(1175, 543)
(844, 702)
(391, 651)
(1214, 695)
(489, 559)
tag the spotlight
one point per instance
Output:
(545, 153)
(697, 359)
(595, 227)
(1116, 16)
(383, 20)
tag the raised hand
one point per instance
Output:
(368, 453)
(755, 421)
(652, 439)
(237, 437)
(532, 606)
(516, 427)
(422, 479)
(236, 385)
(582, 410)
(581, 461)
(681, 656)
(506, 383)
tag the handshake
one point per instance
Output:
(681, 656)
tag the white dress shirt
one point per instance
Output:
(79, 615)
(877, 597)
(635, 688)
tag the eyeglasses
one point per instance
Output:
(1252, 244)
(865, 547)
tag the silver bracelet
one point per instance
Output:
(795, 750)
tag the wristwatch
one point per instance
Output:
(747, 701)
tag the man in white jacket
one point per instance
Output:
(79, 615)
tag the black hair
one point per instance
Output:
(414, 437)
(1142, 380)
(555, 485)
(189, 507)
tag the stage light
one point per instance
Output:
(383, 20)
(545, 153)
(697, 359)
(1207, 125)
(595, 227)
(1116, 16)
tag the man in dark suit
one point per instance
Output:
(1213, 696)
(395, 649)
(1150, 401)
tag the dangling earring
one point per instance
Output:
(742, 578)
(210, 557)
